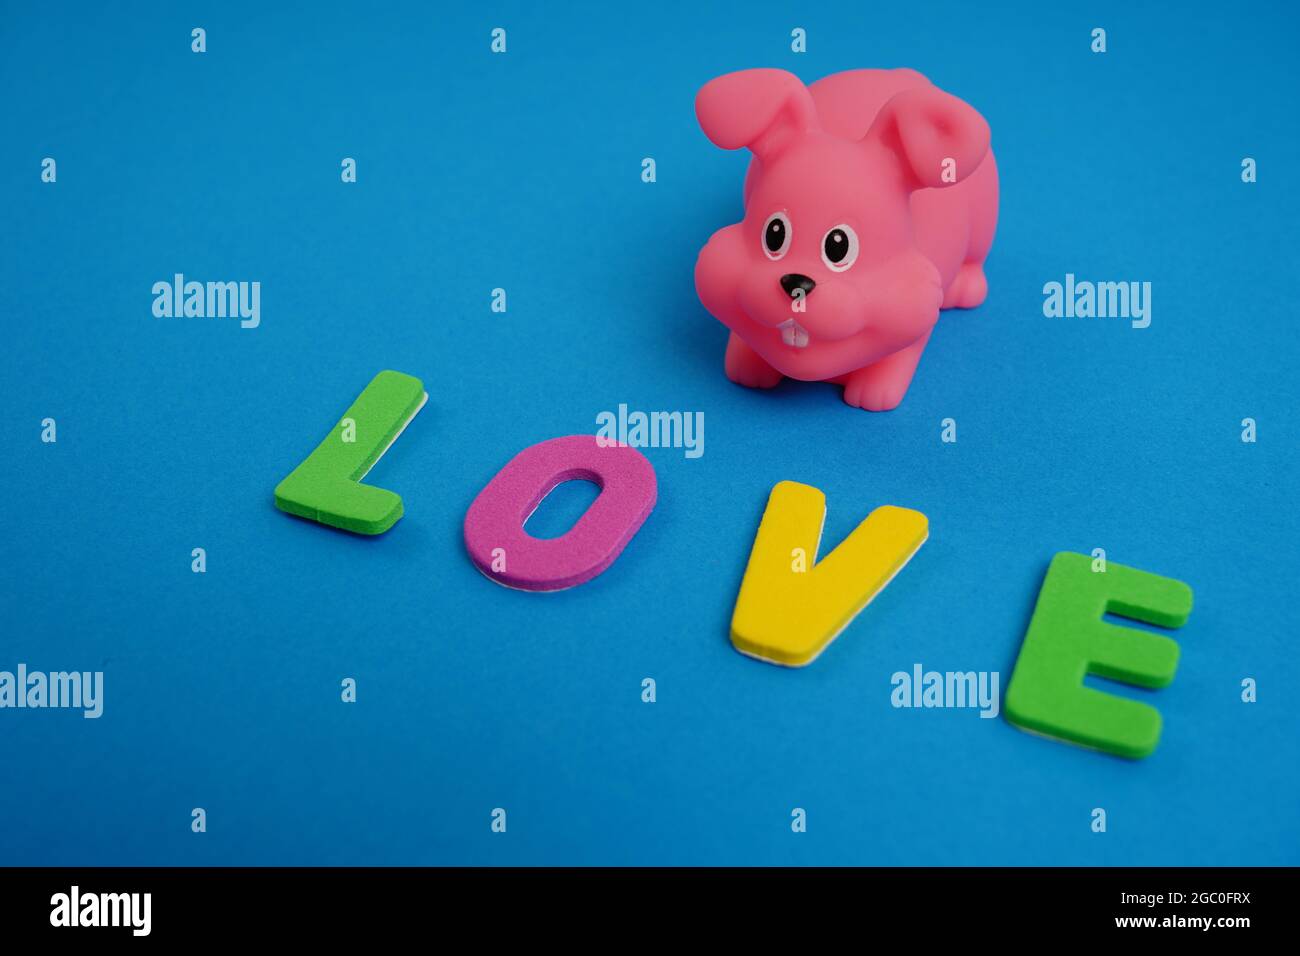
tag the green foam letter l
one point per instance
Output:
(327, 487)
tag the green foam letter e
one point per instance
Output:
(1068, 639)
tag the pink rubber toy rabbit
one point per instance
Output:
(870, 204)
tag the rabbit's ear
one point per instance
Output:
(936, 139)
(764, 110)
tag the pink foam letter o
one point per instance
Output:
(494, 524)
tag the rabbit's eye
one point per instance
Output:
(840, 248)
(776, 235)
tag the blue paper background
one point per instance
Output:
(523, 171)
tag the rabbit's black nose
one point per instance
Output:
(794, 281)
